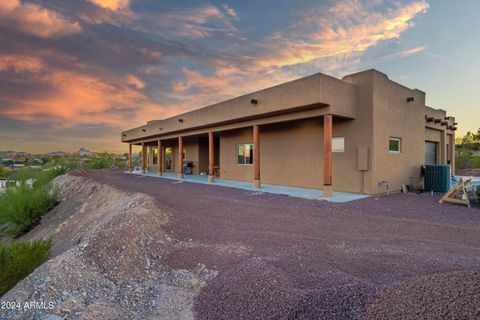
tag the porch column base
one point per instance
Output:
(257, 184)
(211, 178)
(180, 176)
(327, 191)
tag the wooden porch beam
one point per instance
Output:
(130, 160)
(159, 157)
(256, 156)
(211, 157)
(327, 155)
(180, 158)
(144, 157)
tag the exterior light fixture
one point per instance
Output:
(124, 135)
(254, 101)
(144, 130)
(180, 120)
(410, 99)
(160, 128)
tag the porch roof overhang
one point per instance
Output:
(312, 96)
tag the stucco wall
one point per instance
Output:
(395, 117)
(229, 169)
(292, 154)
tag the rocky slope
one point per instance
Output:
(105, 260)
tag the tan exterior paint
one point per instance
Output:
(367, 110)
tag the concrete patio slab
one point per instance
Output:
(306, 193)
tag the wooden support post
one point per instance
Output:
(256, 156)
(180, 158)
(452, 154)
(443, 147)
(159, 157)
(130, 160)
(144, 158)
(327, 155)
(211, 157)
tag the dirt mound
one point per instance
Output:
(107, 253)
(451, 295)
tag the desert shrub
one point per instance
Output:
(465, 158)
(22, 207)
(19, 259)
(23, 174)
(475, 162)
(3, 171)
(103, 161)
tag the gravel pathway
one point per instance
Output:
(397, 256)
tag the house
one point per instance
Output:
(362, 133)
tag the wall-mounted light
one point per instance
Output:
(144, 130)
(160, 128)
(124, 135)
(180, 120)
(254, 101)
(410, 99)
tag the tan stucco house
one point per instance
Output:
(355, 134)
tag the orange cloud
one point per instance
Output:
(347, 28)
(112, 4)
(135, 81)
(73, 98)
(19, 64)
(35, 20)
(200, 22)
(325, 40)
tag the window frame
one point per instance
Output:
(399, 145)
(237, 154)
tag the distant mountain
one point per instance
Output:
(58, 153)
(85, 152)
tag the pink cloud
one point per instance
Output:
(112, 4)
(35, 20)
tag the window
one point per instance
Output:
(338, 144)
(394, 145)
(245, 154)
(155, 155)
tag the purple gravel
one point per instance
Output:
(287, 258)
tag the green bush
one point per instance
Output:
(22, 207)
(19, 259)
(3, 171)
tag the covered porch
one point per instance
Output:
(170, 156)
(305, 193)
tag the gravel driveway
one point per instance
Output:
(397, 256)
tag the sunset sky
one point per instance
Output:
(74, 73)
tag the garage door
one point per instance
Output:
(430, 152)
